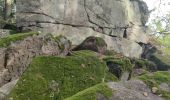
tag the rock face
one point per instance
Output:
(79, 19)
(16, 58)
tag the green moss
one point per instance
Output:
(91, 93)
(58, 40)
(83, 53)
(110, 53)
(155, 79)
(72, 74)
(124, 64)
(6, 41)
(144, 64)
(100, 41)
(162, 61)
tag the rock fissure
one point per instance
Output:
(97, 29)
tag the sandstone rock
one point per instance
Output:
(79, 19)
(125, 76)
(154, 89)
(132, 90)
(126, 47)
(164, 87)
(4, 76)
(19, 54)
(145, 94)
(4, 33)
(6, 89)
(2, 58)
(93, 43)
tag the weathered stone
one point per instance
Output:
(2, 58)
(125, 76)
(164, 87)
(4, 76)
(6, 89)
(132, 90)
(79, 19)
(154, 89)
(126, 47)
(4, 33)
(19, 54)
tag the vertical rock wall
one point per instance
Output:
(119, 22)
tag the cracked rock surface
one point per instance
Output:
(79, 19)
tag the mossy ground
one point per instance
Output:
(72, 74)
(6, 41)
(91, 93)
(155, 79)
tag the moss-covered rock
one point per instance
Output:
(96, 44)
(144, 64)
(162, 61)
(57, 78)
(155, 80)
(91, 93)
(6, 41)
(118, 65)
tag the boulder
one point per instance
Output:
(132, 90)
(164, 87)
(19, 54)
(96, 44)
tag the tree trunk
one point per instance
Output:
(7, 9)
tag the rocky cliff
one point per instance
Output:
(120, 22)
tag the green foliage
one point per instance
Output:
(160, 24)
(165, 42)
(72, 74)
(90, 93)
(6, 41)
(155, 79)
